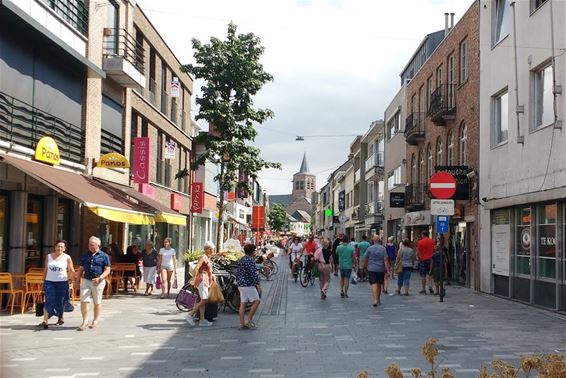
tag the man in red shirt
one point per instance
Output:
(310, 246)
(425, 249)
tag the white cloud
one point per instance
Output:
(336, 65)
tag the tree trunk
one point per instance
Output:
(220, 209)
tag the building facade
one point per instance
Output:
(442, 134)
(372, 146)
(522, 164)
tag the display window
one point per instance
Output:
(546, 238)
(523, 241)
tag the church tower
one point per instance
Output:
(304, 182)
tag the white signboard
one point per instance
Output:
(441, 207)
(175, 87)
(500, 249)
(169, 150)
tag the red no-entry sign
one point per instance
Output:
(442, 185)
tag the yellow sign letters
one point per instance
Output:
(113, 160)
(47, 151)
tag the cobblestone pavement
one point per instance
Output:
(298, 335)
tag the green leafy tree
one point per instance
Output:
(233, 74)
(277, 217)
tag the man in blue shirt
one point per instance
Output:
(248, 285)
(362, 266)
(95, 265)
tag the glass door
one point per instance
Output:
(522, 255)
(33, 233)
(545, 283)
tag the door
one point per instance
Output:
(33, 237)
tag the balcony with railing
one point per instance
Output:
(374, 161)
(123, 58)
(374, 208)
(414, 128)
(443, 104)
(415, 195)
(24, 125)
(73, 12)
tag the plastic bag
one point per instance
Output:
(354, 280)
(175, 284)
(215, 293)
(315, 271)
(158, 282)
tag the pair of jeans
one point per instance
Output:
(404, 278)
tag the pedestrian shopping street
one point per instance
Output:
(298, 335)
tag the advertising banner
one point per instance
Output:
(197, 197)
(141, 160)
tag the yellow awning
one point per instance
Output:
(180, 220)
(118, 215)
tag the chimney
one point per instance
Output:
(445, 24)
(451, 21)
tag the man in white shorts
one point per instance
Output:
(248, 285)
(95, 265)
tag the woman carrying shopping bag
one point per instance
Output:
(202, 280)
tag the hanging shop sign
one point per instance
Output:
(47, 151)
(113, 160)
(417, 218)
(175, 87)
(141, 160)
(342, 200)
(169, 149)
(396, 199)
(460, 174)
(197, 197)
(258, 217)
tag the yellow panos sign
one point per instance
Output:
(113, 160)
(47, 151)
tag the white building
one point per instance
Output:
(522, 139)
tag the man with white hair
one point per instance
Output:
(95, 265)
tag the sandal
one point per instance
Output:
(82, 327)
(93, 324)
(250, 325)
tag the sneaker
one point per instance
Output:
(204, 323)
(190, 320)
(422, 292)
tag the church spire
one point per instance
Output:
(304, 165)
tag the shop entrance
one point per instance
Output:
(458, 254)
(34, 217)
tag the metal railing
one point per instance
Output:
(173, 110)
(415, 196)
(375, 160)
(110, 142)
(151, 92)
(24, 125)
(75, 12)
(374, 208)
(118, 42)
(414, 127)
(442, 101)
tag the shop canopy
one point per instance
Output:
(93, 194)
(163, 214)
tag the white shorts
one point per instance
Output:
(248, 294)
(203, 291)
(167, 268)
(149, 274)
(90, 292)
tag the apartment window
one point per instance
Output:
(450, 148)
(463, 144)
(393, 125)
(413, 103)
(112, 132)
(439, 76)
(413, 169)
(421, 167)
(439, 152)
(543, 97)
(159, 155)
(500, 105)
(536, 4)
(463, 61)
(394, 178)
(370, 191)
(429, 161)
(451, 69)
(422, 102)
(429, 91)
(501, 21)
(164, 85)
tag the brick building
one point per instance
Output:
(442, 133)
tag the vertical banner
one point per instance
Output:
(242, 181)
(175, 87)
(197, 197)
(258, 217)
(141, 160)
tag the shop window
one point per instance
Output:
(523, 241)
(63, 220)
(546, 235)
(33, 233)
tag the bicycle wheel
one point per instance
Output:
(305, 277)
(274, 267)
(312, 279)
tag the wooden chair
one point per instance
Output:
(35, 270)
(6, 280)
(34, 289)
(74, 292)
(116, 278)
(130, 270)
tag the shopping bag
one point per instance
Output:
(158, 282)
(215, 293)
(175, 285)
(186, 298)
(399, 267)
(39, 308)
(354, 280)
(315, 271)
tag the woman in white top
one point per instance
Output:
(56, 275)
(295, 252)
(167, 265)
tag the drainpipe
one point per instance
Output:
(445, 24)
(518, 109)
(556, 90)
